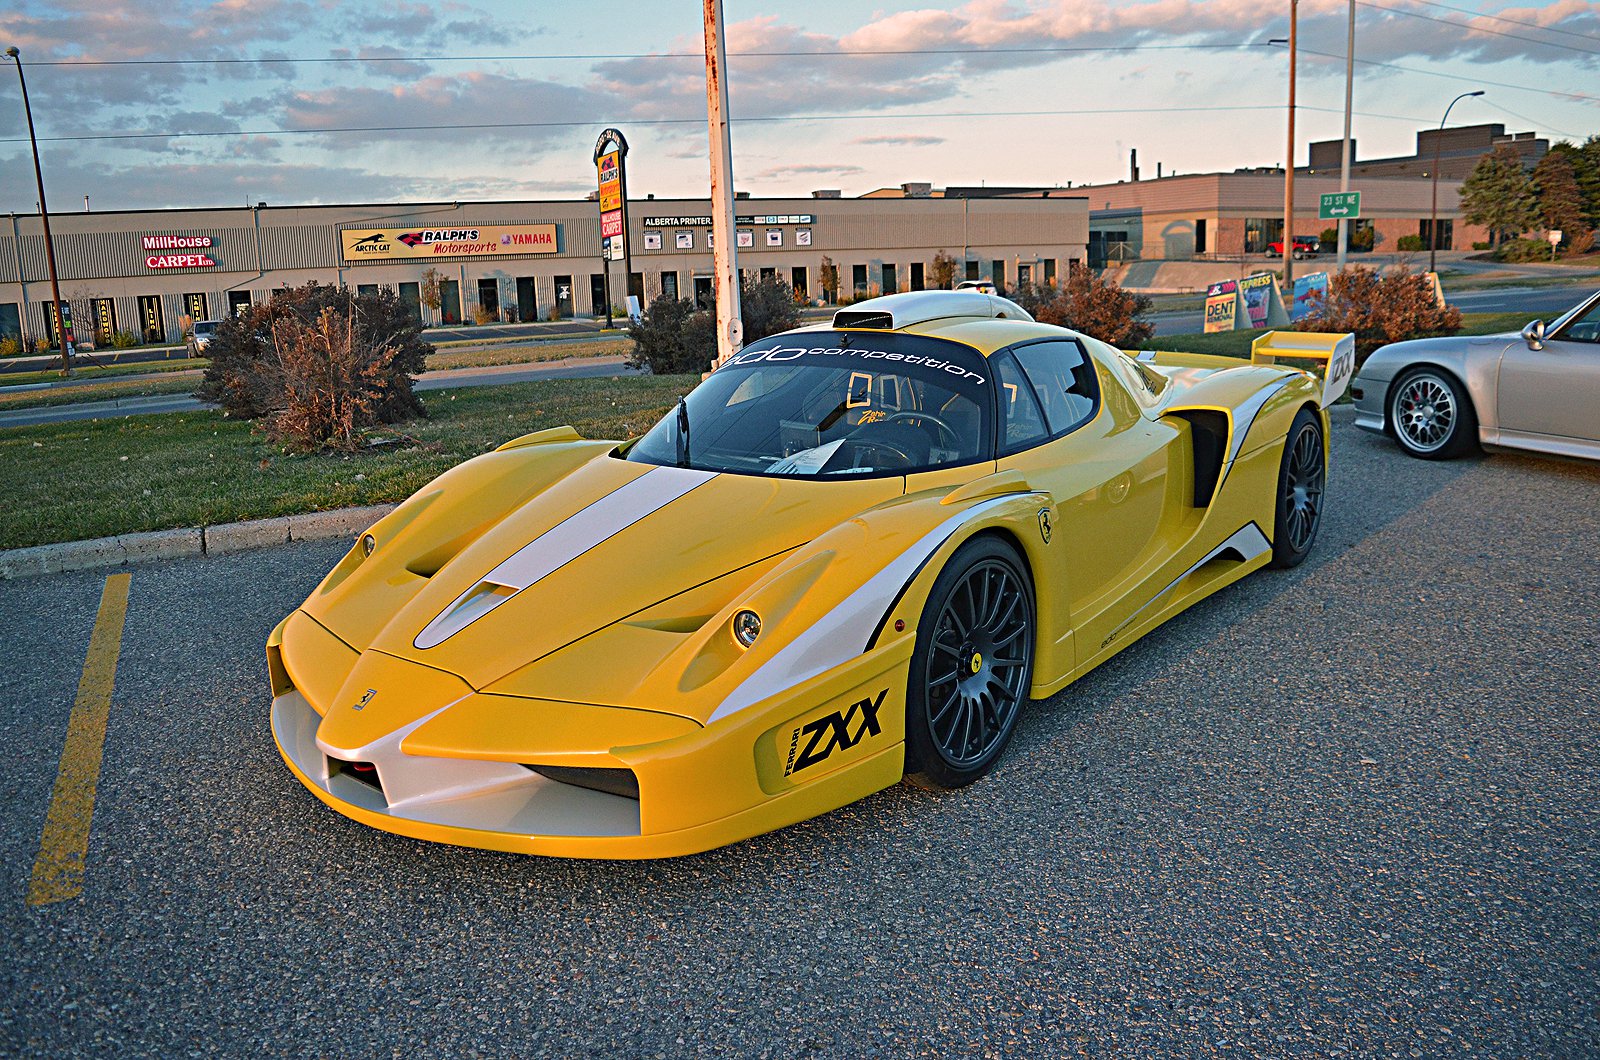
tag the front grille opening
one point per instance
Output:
(365, 772)
(596, 778)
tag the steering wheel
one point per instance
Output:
(881, 445)
(949, 431)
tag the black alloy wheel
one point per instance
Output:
(972, 667)
(1302, 478)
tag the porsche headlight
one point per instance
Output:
(746, 628)
(368, 543)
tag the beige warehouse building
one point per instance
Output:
(149, 271)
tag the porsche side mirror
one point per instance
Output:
(1533, 335)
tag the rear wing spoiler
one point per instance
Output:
(1328, 357)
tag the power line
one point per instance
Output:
(1502, 18)
(1544, 90)
(753, 119)
(1476, 29)
(604, 56)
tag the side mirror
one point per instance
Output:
(1533, 335)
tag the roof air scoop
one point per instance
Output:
(894, 311)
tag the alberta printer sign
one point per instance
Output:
(190, 256)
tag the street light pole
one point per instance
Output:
(1349, 148)
(1433, 215)
(1288, 168)
(63, 316)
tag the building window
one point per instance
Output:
(10, 321)
(528, 299)
(564, 295)
(150, 317)
(1049, 271)
(103, 313)
(450, 301)
(1260, 232)
(858, 280)
(597, 294)
(51, 324)
(1446, 233)
(797, 280)
(411, 295)
(997, 273)
(489, 298)
(918, 281)
(196, 305)
(669, 286)
(891, 279)
(769, 275)
(972, 270)
(1200, 236)
(1024, 275)
(238, 303)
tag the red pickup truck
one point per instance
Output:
(1304, 247)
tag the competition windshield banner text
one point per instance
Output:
(1222, 305)
(368, 244)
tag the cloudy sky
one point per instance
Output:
(312, 101)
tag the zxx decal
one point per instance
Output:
(831, 731)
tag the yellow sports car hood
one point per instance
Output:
(607, 541)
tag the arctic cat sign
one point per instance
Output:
(367, 244)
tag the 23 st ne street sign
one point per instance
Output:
(1339, 205)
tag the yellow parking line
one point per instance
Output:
(58, 870)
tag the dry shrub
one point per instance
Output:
(318, 365)
(1098, 308)
(1381, 308)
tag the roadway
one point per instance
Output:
(1349, 809)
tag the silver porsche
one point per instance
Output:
(1441, 398)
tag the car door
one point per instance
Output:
(1554, 391)
(1072, 428)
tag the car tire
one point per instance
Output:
(1430, 415)
(972, 666)
(1302, 479)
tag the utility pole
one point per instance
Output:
(1349, 148)
(63, 313)
(1288, 167)
(730, 324)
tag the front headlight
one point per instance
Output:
(746, 628)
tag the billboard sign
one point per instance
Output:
(1310, 295)
(1258, 293)
(378, 244)
(611, 173)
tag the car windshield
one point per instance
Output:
(827, 404)
(204, 327)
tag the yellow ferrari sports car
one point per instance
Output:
(848, 557)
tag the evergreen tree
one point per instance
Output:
(1499, 195)
(1560, 201)
(1585, 161)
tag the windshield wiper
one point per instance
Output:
(683, 432)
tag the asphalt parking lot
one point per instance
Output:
(1351, 809)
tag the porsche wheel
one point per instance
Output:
(972, 667)
(1431, 416)
(1302, 477)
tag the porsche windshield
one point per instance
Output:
(829, 404)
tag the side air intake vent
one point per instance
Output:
(846, 318)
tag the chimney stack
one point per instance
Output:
(1133, 164)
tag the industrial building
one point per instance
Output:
(149, 272)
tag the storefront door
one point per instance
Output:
(238, 303)
(564, 296)
(597, 294)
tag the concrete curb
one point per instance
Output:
(191, 541)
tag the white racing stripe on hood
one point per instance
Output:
(561, 544)
(842, 633)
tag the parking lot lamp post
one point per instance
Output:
(63, 325)
(1433, 222)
